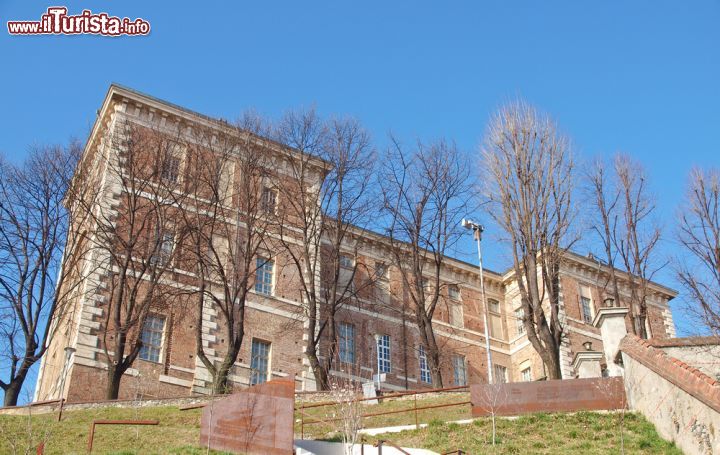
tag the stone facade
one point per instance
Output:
(278, 319)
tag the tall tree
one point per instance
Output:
(699, 235)
(233, 201)
(529, 181)
(136, 227)
(328, 204)
(605, 199)
(625, 226)
(35, 226)
(425, 193)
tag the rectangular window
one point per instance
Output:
(526, 374)
(459, 370)
(381, 271)
(165, 247)
(585, 306)
(346, 261)
(424, 370)
(493, 306)
(454, 292)
(259, 362)
(268, 200)
(383, 353)
(151, 337)
(170, 169)
(346, 340)
(456, 314)
(264, 276)
(500, 374)
(519, 324)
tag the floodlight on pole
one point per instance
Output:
(477, 234)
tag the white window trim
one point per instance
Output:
(163, 334)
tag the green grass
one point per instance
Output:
(584, 432)
(178, 432)
(326, 430)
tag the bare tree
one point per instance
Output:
(135, 229)
(491, 400)
(605, 199)
(425, 193)
(529, 181)
(699, 235)
(35, 283)
(637, 238)
(330, 199)
(233, 203)
(625, 228)
(348, 411)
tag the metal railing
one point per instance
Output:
(382, 442)
(91, 437)
(306, 419)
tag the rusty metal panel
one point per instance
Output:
(590, 394)
(257, 420)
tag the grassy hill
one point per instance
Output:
(178, 432)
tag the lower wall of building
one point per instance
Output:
(678, 413)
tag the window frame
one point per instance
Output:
(265, 206)
(491, 303)
(459, 361)
(384, 361)
(261, 283)
(525, 378)
(346, 261)
(161, 256)
(454, 289)
(165, 170)
(423, 366)
(519, 323)
(500, 371)
(586, 309)
(150, 348)
(255, 373)
(346, 344)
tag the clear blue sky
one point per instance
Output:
(641, 77)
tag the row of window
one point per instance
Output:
(346, 354)
(170, 172)
(152, 337)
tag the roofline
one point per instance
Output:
(456, 262)
(672, 293)
(121, 90)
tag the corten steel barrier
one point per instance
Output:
(303, 407)
(91, 437)
(566, 395)
(42, 403)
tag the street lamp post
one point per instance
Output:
(477, 235)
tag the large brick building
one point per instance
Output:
(374, 332)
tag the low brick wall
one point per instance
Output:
(680, 400)
(590, 394)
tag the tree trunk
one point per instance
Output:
(113, 386)
(552, 365)
(13, 391)
(432, 352)
(321, 375)
(221, 382)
